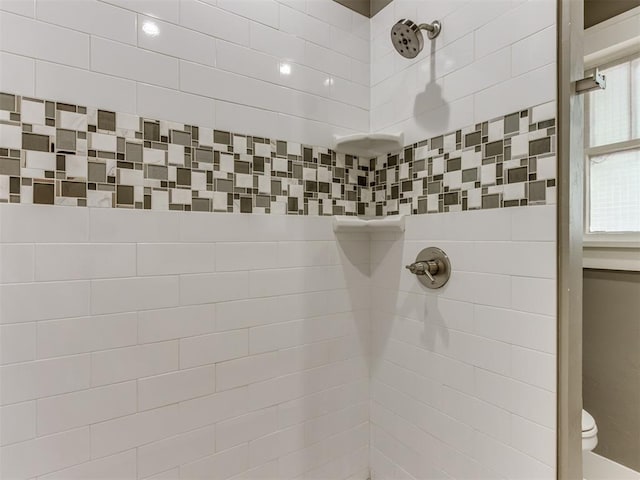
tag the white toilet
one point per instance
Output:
(589, 432)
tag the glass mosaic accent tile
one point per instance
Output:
(60, 154)
(507, 161)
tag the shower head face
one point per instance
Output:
(407, 38)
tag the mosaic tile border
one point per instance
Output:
(61, 154)
(505, 162)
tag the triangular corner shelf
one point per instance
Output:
(368, 145)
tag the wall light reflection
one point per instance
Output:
(150, 29)
(285, 69)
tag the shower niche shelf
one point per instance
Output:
(344, 223)
(368, 145)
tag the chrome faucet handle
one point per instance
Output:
(419, 268)
(432, 267)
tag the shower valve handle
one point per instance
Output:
(428, 268)
(432, 267)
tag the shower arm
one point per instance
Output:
(427, 26)
(433, 28)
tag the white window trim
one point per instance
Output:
(619, 250)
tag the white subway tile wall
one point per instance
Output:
(463, 379)
(167, 345)
(269, 59)
(492, 57)
(142, 356)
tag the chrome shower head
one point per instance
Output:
(407, 39)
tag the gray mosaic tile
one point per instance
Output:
(232, 172)
(44, 193)
(7, 102)
(33, 141)
(106, 120)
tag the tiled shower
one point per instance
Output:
(174, 300)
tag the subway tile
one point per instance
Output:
(534, 440)
(18, 72)
(133, 63)
(92, 17)
(490, 70)
(533, 52)
(130, 363)
(78, 409)
(47, 454)
(175, 451)
(132, 294)
(157, 102)
(333, 14)
(169, 388)
(110, 225)
(170, 258)
(121, 434)
(17, 422)
(84, 261)
(245, 428)
(245, 61)
(221, 465)
(506, 460)
(534, 224)
(17, 343)
(40, 40)
(246, 256)
(304, 26)
(227, 86)
(175, 323)
(214, 21)
(517, 23)
(31, 380)
(165, 10)
(212, 288)
(54, 300)
(84, 87)
(213, 348)
(277, 43)
(534, 295)
(531, 88)
(122, 465)
(43, 224)
(345, 42)
(275, 445)
(215, 408)
(177, 41)
(533, 403)
(85, 334)
(247, 370)
(533, 367)
(262, 11)
(20, 7)
(231, 116)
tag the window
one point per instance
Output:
(613, 151)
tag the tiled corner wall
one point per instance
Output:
(61, 154)
(463, 379)
(181, 345)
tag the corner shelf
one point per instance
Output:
(369, 145)
(344, 223)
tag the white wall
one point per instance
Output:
(492, 58)
(199, 345)
(214, 63)
(463, 378)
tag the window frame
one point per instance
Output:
(607, 250)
